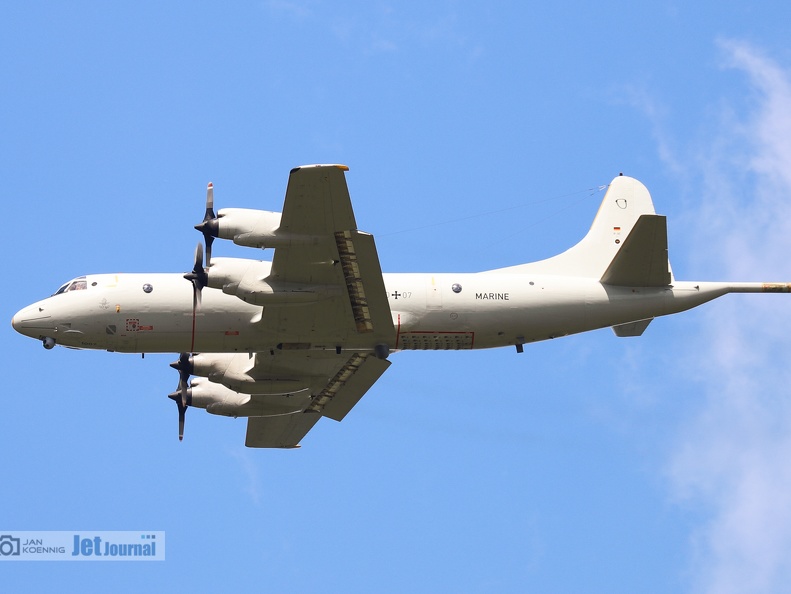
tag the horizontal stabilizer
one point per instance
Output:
(642, 260)
(631, 328)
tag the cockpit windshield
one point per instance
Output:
(78, 284)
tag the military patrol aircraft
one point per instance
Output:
(305, 336)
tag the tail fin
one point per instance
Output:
(642, 260)
(624, 203)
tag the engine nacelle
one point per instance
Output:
(233, 370)
(228, 273)
(245, 279)
(213, 365)
(250, 228)
(219, 400)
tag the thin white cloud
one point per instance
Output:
(296, 10)
(640, 98)
(772, 126)
(733, 459)
(250, 472)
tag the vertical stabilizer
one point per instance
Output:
(623, 204)
(641, 260)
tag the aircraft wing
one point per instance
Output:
(337, 382)
(326, 251)
(279, 431)
(329, 343)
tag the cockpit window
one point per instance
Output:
(78, 284)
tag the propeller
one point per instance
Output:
(198, 276)
(209, 226)
(199, 279)
(182, 396)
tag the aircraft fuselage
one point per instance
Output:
(154, 312)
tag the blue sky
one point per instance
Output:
(476, 138)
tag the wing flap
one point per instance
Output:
(365, 284)
(642, 260)
(349, 385)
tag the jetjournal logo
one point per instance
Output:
(82, 546)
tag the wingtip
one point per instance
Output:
(336, 165)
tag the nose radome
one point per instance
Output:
(18, 319)
(31, 320)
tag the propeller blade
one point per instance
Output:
(182, 396)
(209, 202)
(182, 413)
(209, 226)
(199, 279)
(185, 368)
(198, 268)
(198, 276)
(178, 398)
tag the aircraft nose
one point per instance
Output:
(30, 320)
(16, 321)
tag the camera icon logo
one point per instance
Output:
(8, 545)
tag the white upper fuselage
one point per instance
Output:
(153, 312)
